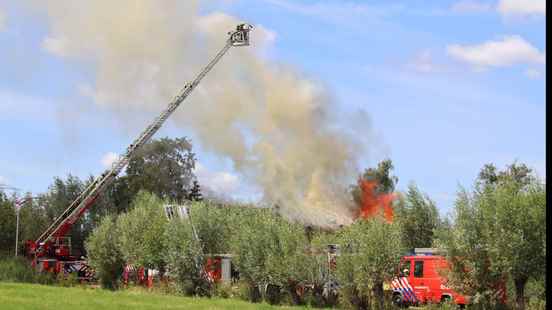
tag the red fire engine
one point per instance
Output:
(420, 281)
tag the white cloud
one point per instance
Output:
(470, 6)
(507, 51)
(522, 7)
(221, 182)
(108, 159)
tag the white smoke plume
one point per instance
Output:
(275, 125)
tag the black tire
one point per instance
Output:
(399, 301)
(446, 299)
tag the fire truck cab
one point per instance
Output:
(420, 281)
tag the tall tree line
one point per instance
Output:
(163, 167)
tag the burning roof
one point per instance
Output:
(373, 202)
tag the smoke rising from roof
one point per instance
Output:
(276, 126)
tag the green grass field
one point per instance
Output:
(15, 296)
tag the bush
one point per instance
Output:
(535, 292)
(185, 258)
(318, 273)
(371, 251)
(213, 226)
(20, 270)
(223, 290)
(67, 280)
(104, 254)
(165, 287)
(536, 304)
(273, 294)
(242, 291)
(444, 306)
(16, 270)
(141, 232)
(269, 251)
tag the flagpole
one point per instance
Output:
(18, 205)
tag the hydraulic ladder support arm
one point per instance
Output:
(63, 223)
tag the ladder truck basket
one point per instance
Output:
(240, 37)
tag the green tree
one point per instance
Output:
(58, 197)
(371, 251)
(268, 251)
(468, 252)
(142, 232)
(517, 172)
(213, 226)
(499, 233)
(32, 220)
(104, 254)
(195, 193)
(516, 225)
(287, 261)
(314, 268)
(7, 225)
(383, 177)
(163, 167)
(185, 258)
(418, 218)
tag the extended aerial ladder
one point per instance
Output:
(50, 246)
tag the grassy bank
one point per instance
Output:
(19, 296)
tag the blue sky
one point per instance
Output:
(448, 87)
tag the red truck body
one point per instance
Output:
(423, 282)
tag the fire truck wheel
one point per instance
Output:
(446, 299)
(398, 301)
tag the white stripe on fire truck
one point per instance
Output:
(409, 288)
(398, 285)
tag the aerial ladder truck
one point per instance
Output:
(52, 250)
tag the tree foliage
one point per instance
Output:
(383, 176)
(213, 225)
(7, 224)
(58, 197)
(195, 193)
(163, 167)
(185, 258)
(104, 254)
(418, 218)
(371, 251)
(499, 233)
(269, 250)
(142, 232)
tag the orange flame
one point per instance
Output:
(372, 202)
